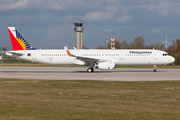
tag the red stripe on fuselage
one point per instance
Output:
(15, 43)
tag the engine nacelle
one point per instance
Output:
(105, 65)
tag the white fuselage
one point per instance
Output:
(119, 57)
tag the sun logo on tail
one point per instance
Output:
(24, 44)
(21, 40)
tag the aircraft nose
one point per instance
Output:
(172, 59)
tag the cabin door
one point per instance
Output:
(155, 55)
(121, 56)
(34, 56)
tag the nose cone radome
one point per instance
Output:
(172, 59)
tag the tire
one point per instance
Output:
(92, 69)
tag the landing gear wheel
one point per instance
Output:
(90, 70)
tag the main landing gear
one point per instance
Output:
(155, 69)
(90, 69)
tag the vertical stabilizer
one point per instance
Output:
(17, 40)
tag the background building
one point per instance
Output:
(79, 30)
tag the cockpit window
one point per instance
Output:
(165, 54)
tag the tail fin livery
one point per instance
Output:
(18, 41)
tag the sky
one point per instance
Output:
(48, 23)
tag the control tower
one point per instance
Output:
(79, 30)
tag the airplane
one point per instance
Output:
(99, 58)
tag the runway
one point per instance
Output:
(67, 73)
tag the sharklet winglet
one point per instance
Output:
(68, 52)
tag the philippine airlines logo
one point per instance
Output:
(140, 52)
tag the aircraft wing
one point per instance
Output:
(87, 60)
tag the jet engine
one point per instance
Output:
(105, 65)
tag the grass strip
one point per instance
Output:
(78, 100)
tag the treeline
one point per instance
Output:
(139, 43)
(175, 51)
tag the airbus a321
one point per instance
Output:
(97, 58)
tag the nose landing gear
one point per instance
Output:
(155, 69)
